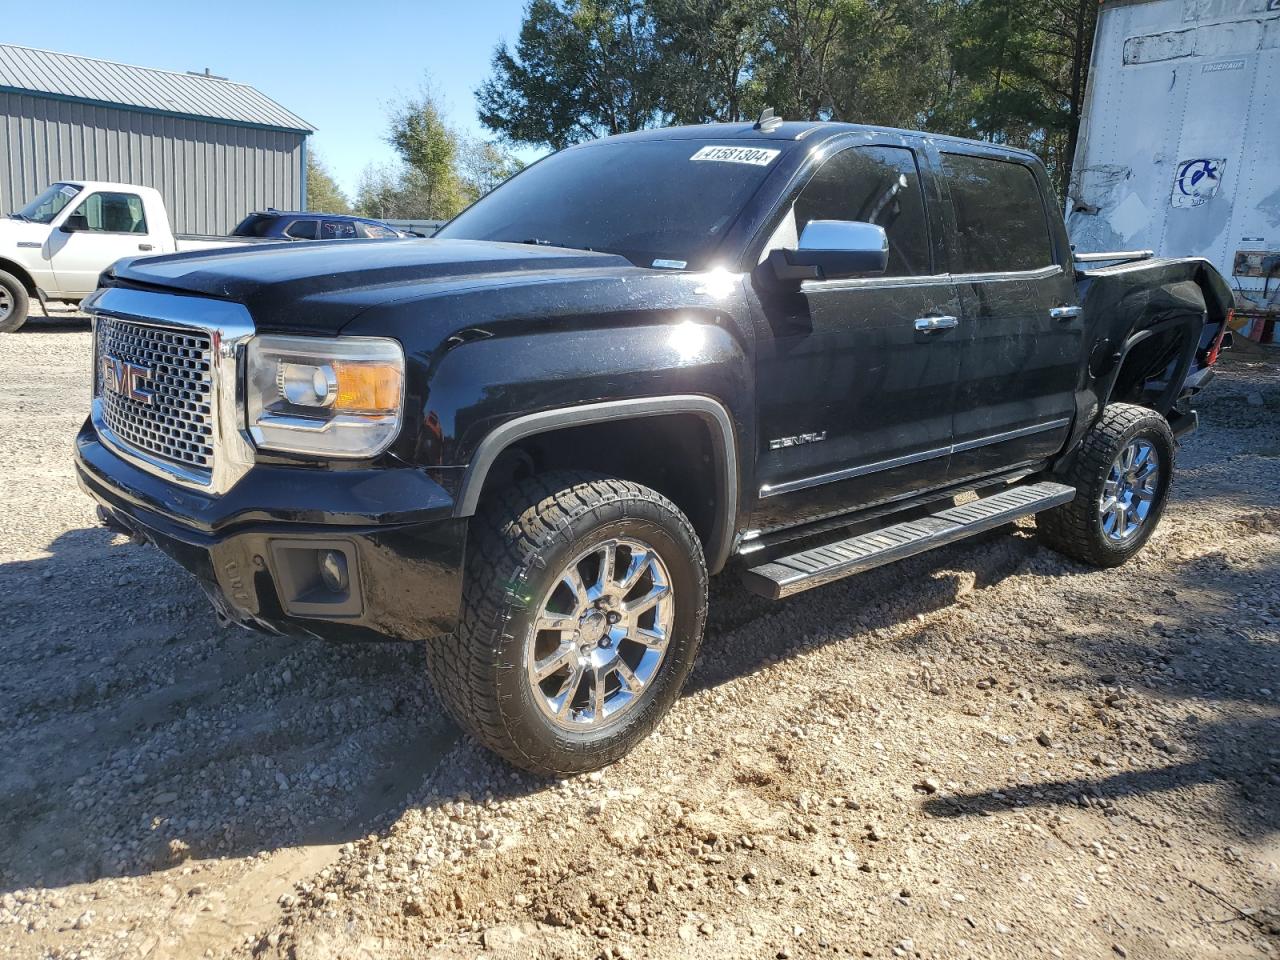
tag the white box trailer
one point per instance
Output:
(1179, 148)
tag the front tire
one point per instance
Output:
(15, 304)
(583, 607)
(1121, 474)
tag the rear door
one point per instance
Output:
(1023, 348)
(854, 402)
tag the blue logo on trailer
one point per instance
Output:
(1197, 181)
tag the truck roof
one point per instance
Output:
(107, 185)
(814, 131)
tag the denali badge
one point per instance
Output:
(127, 379)
(797, 440)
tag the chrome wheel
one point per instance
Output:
(600, 635)
(6, 303)
(1129, 491)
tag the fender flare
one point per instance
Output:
(711, 411)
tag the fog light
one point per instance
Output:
(333, 571)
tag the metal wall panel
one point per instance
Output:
(210, 174)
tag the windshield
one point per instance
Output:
(659, 203)
(46, 206)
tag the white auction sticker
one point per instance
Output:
(756, 156)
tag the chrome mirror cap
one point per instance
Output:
(845, 236)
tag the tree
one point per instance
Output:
(1012, 71)
(323, 193)
(428, 147)
(1029, 64)
(710, 53)
(581, 69)
(483, 165)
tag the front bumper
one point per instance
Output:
(254, 549)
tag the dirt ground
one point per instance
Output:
(981, 752)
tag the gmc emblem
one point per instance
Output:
(126, 379)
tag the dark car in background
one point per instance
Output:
(300, 225)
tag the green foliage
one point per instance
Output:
(483, 165)
(438, 171)
(428, 148)
(1010, 71)
(323, 193)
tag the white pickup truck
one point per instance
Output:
(55, 247)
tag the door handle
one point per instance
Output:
(1065, 313)
(145, 246)
(934, 324)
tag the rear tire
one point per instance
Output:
(572, 575)
(15, 304)
(1121, 475)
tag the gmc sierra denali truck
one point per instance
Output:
(783, 351)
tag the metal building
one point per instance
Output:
(215, 149)
(1180, 139)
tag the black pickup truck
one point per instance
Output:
(788, 351)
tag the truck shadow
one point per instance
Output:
(1216, 691)
(140, 735)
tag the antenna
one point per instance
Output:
(769, 121)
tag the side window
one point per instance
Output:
(110, 213)
(338, 230)
(302, 229)
(878, 185)
(1000, 218)
(376, 231)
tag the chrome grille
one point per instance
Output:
(177, 424)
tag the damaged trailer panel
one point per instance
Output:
(1178, 143)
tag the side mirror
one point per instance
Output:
(832, 250)
(75, 223)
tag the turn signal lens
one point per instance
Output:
(372, 388)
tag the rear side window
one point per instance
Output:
(879, 185)
(1000, 218)
(254, 225)
(338, 230)
(302, 229)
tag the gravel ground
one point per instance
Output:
(982, 752)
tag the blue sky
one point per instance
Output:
(336, 65)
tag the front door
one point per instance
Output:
(1022, 334)
(854, 402)
(105, 226)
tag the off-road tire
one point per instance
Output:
(1074, 529)
(21, 303)
(517, 543)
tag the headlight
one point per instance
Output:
(331, 398)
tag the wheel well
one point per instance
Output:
(8, 266)
(1145, 372)
(674, 454)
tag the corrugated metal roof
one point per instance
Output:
(35, 71)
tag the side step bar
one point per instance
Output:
(818, 565)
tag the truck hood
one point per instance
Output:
(320, 287)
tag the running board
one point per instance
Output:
(818, 565)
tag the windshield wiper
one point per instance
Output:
(18, 216)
